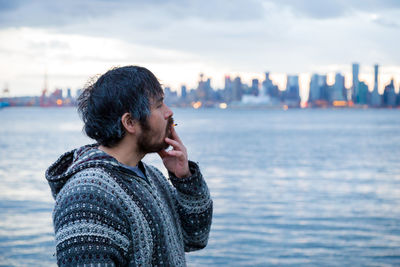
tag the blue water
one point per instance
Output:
(290, 188)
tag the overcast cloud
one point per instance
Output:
(177, 39)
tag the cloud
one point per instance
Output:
(386, 22)
(316, 9)
(52, 13)
(232, 36)
(47, 13)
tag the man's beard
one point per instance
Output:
(145, 143)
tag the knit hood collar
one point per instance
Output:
(71, 162)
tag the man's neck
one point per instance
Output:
(124, 152)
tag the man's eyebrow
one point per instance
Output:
(157, 100)
(160, 99)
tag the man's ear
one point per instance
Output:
(129, 123)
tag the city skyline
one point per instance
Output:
(263, 93)
(179, 39)
(280, 79)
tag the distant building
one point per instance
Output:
(315, 90)
(325, 89)
(389, 95)
(319, 95)
(191, 96)
(292, 93)
(269, 88)
(57, 94)
(318, 89)
(25, 101)
(338, 89)
(376, 99)
(69, 95)
(209, 90)
(254, 90)
(171, 97)
(356, 81)
(363, 94)
(183, 92)
(203, 90)
(237, 89)
(398, 97)
(227, 93)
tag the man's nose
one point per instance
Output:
(168, 112)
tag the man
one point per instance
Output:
(111, 208)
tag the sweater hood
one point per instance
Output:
(76, 160)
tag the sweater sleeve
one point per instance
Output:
(194, 206)
(90, 226)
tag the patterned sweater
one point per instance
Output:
(106, 215)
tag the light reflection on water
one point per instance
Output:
(301, 187)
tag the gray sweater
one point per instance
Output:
(107, 215)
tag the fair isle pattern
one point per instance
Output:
(105, 215)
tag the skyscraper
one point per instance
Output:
(363, 93)
(376, 100)
(338, 88)
(254, 87)
(267, 83)
(69, 95)
(356, 81)
(318, 88)
(183, 92)
(315, 90)
(269, 88)
(389, 95)
(237, 89)
(227, 95)
(292, 93)
(204, 91)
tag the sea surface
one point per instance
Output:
(290, 188)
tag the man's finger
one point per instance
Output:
(175, 144)
(175, 153)
(175, 135)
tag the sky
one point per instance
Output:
(73, 41)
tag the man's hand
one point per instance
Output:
(176, 160)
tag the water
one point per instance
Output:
(296, 187)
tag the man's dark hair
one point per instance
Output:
(120, 90)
